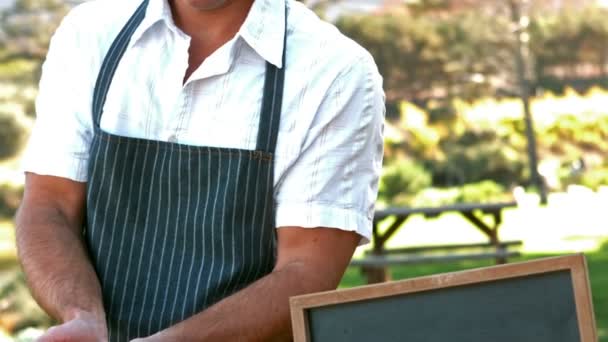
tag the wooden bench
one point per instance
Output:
(375, 263)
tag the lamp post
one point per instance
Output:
(521, 42)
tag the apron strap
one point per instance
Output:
(110, 63)
(270, 116)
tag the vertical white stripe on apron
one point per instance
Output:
(203, 239)
(184, 239)
(261, 245)
(174, 229)
(159, 176)
(123, 232)
(213, 226)
(233, 223)
(250, 234)
(223, 224)
(271, 230)
(164, 240)
(108, 200)
(103, 175)
(112, 297)
(135, 237)
(244, 216)
(194, 230)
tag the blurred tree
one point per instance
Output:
(595, 38)
(478, 52)
(402, 177)
(570, 46)
(25, 32)
(11, 135)
(409, 51)
(476, 156)
(424, 57)
(420, 7)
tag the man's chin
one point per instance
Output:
(207, 5)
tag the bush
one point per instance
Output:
(433, 197)
(10, 197)
(482, 192)
(403, 177)
(485, 139)
(588, 132)
(595, 178)
(477, 156)
(11, 135)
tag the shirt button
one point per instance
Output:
(172, 138)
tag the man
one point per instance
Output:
(179, 134)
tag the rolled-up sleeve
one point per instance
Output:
(59, 142)
(334, 181)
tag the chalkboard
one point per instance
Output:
(546, 300)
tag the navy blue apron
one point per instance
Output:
(172, 229)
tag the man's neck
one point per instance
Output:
(210, 27)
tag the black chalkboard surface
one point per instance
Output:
(546, 300)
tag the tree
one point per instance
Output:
(423, 56)
(562, 42)
(408, 51)
(25, 31)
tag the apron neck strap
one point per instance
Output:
(270, 115)
(110, 63)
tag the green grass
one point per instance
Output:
(598, 273)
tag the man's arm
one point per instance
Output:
(309, 260)
(53, 256)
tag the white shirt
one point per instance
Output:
(329, 149)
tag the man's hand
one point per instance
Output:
(84, 327)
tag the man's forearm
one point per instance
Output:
(55, 262)
(259, 312)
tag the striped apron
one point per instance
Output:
(172, 229)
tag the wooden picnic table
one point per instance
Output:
(376, 262)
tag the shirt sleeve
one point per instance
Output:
(60, 138)
(334, 181)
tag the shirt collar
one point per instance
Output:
(263, 29)
(157, 10)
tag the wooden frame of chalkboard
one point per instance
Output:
(573, 266)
